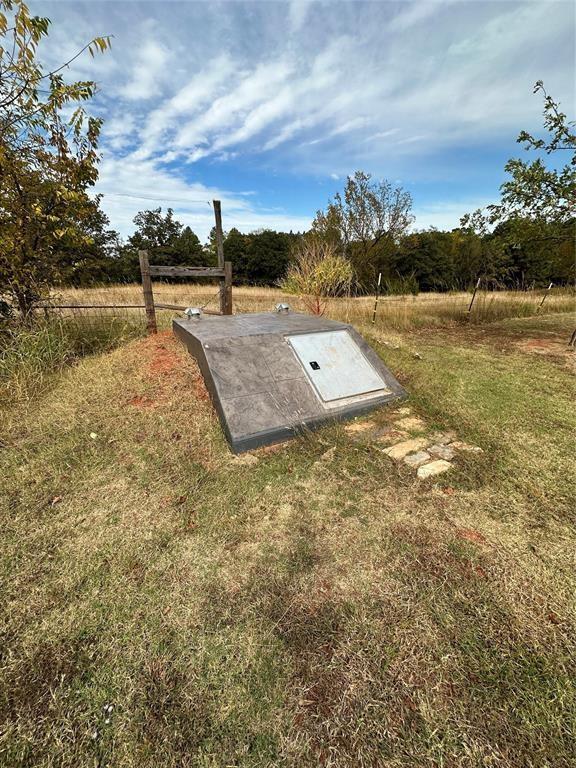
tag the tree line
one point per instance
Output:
(513, 255)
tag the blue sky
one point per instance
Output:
(269, 105)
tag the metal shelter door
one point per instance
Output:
(335, 365)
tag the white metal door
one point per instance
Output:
(335, 365)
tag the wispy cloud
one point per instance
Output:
(148, 72)
(309, 90)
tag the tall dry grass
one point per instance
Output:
(395, 312)
(31, 354)
(316, 274)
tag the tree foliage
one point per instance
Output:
(47, 162)
(365, 223)
(539, 199)
(167, 240)
(259, 258)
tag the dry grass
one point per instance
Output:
(397, 312)
(313, 606)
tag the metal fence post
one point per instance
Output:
(377, 297)
(474, 295)
(544, 297)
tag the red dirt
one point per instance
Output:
(170, 371)
(548, 347)
(469, 534)
(164, 361)
(200, 390)
(540, 345)
(141, 401)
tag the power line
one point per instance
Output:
(155, 199)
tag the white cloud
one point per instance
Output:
(129, 186)
(298, 11)
(414, 13)
(149, 71)
(437, 94)
(310, 90)
(382, 134)
(445, 215)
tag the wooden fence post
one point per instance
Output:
(226, 307)
(148, 294)
(219, 234)
(226, 281)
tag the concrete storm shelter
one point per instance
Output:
(271, 375)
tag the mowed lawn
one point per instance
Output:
(166, 604)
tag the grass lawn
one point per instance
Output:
(166, 604)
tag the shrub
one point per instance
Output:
(316, 274)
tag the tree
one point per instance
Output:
(538, 200)
(211, 249)
(267, 256)
(47, 163)
(535, 191)
(96, 260)
(236, 251)
(189, 248)
(166, 239)
(427, 257)
(156, 233)
(366, 224)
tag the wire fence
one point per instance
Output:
(399, 312)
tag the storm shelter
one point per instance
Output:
(273, 374)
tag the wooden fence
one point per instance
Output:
(223, 272)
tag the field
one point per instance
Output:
(398, 312)
(315, 604)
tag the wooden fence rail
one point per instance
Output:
(222, 272)
(176, 307)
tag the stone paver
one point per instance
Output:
(443, 438)
(428, 454)
(461, 446)
(389, 435)
(442, 451)
(412, 423)
(400, 450)
(433, 468)
(416, 459)
(359, 426)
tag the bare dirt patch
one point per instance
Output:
(548, 347)
(141, 401)
(469, 534)
(164, 356)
